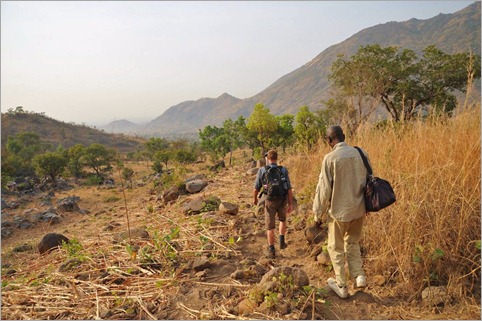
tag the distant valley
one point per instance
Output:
(309, 85)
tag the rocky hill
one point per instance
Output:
(120, 126)
(308, 85)
(60, 133)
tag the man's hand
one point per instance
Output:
(290, 207)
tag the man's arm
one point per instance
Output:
(255, 196)
(322, 198)
(290, 200)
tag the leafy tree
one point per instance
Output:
(50, 164)
(98, 158)
(284, 134)
(262, 125)
(214, 141)
(309, 127)
(161, 157)
(399, 81)
(154, 145)
(184, 156)
(20, 150)
(233, 134)
(74, 165)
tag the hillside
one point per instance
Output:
(308, 85)
(60, 133)
(120, 126)
(211, 266)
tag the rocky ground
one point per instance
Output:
(186, 257)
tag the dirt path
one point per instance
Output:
(110, 285)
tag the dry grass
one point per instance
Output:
(430, 236)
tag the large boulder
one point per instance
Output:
(196, 186)
(228, 208)
(69, 204)
(50, 242)
(201, 205)
(170, 195)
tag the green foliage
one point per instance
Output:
(50, 164)
(210, 204)
(20, 150)
(74, 249)
(99, 158)
(93, 180)
(283, 137)
(74, 154)
(405, 84)
(309, 127)
(271, 299)
(214, 141)
(112, 199)
(262, 125)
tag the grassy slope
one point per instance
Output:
(433, 166)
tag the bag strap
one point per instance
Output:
(365, 161)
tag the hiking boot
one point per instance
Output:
(342, 292)
(360, 281)
(270, 253)
(283, 245)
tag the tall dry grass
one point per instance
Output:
(431, 235)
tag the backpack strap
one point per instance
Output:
(365, 161)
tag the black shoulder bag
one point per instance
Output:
(378, 192)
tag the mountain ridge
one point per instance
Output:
(309, 85)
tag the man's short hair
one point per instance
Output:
(272, 154)
(336, 132)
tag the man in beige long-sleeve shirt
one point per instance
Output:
(339, 195)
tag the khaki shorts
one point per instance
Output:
(271, 208)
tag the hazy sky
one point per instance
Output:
(97, 61)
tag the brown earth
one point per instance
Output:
(106, 281)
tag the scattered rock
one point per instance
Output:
(170, 195)
(68, 204)
(195, 178)
(246, 307)
(217, 166)
(323, 258)
(252, 171)
(315, 234)
(196, 186)
(300, 278)
(228, 208)
(201, 263)
(201, 205)
(378, 280)
(48, 216)
(50, 242)
(136, 233)
(22, 248)
(6, 231)
(435, 295)
(70, 264)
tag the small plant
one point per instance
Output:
(271, 299)
(112, 199)
(93, 180)
(74, 249)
